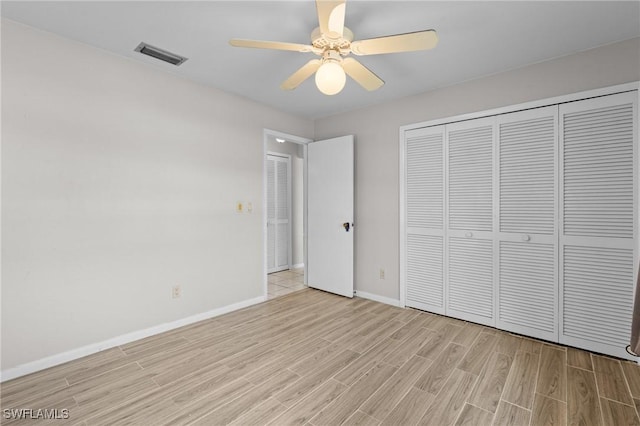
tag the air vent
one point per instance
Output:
(161, 54)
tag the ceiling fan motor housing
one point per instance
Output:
(325, 42)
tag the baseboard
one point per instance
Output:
(297, 265)
(376, 298)
(52, 361)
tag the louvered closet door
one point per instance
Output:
(470, 245)
(527, 297)
(278, 173)
(424, 218)
(271, 214)
(598, 233)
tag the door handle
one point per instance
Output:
(346, 226)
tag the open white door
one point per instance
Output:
(330, 215)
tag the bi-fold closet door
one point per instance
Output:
(528, 221)
(526, 209)
(278, 211)
(481, 201)
(424, 231)
(469, 251)
(599, 221)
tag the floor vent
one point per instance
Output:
(161, 54)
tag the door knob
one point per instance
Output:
(346, 226)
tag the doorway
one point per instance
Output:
(284, 221)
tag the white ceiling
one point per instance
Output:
(477, 38)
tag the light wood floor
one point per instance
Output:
(313, 358)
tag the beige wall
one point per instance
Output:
(119, 182)
(297, 195)
(376, 132)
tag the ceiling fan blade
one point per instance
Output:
(277, 45)
(301, 75)
(420, 40)
(361, 74)
(331, 17)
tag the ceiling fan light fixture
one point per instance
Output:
(330, 78)
(334, 42)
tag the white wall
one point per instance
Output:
(118, 182)
(376, 130)
(297, 195)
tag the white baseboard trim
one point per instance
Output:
(53, 360)
(376, 298)
(297, 265)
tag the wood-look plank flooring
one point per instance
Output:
(312, 358)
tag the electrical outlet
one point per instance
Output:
(382, 273)
(176, 291)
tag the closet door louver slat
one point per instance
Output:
(590, 211)
(528, 206)
(283, 196)
(471, 177)
(527, 273)
(424, 215)
(425, 181)
(282, 212)
(425, 273)
(470, 294)
(470, 257)
(271, 214)
(282, 258)
(277, 212)
(527, 289)
(598, 221)
(598, 295)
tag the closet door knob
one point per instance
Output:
(468, 234)
(526, 237)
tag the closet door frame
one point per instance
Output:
(287, 158)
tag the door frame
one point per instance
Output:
(266, 135)
(289, 210)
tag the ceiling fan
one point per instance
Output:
(333, 42)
